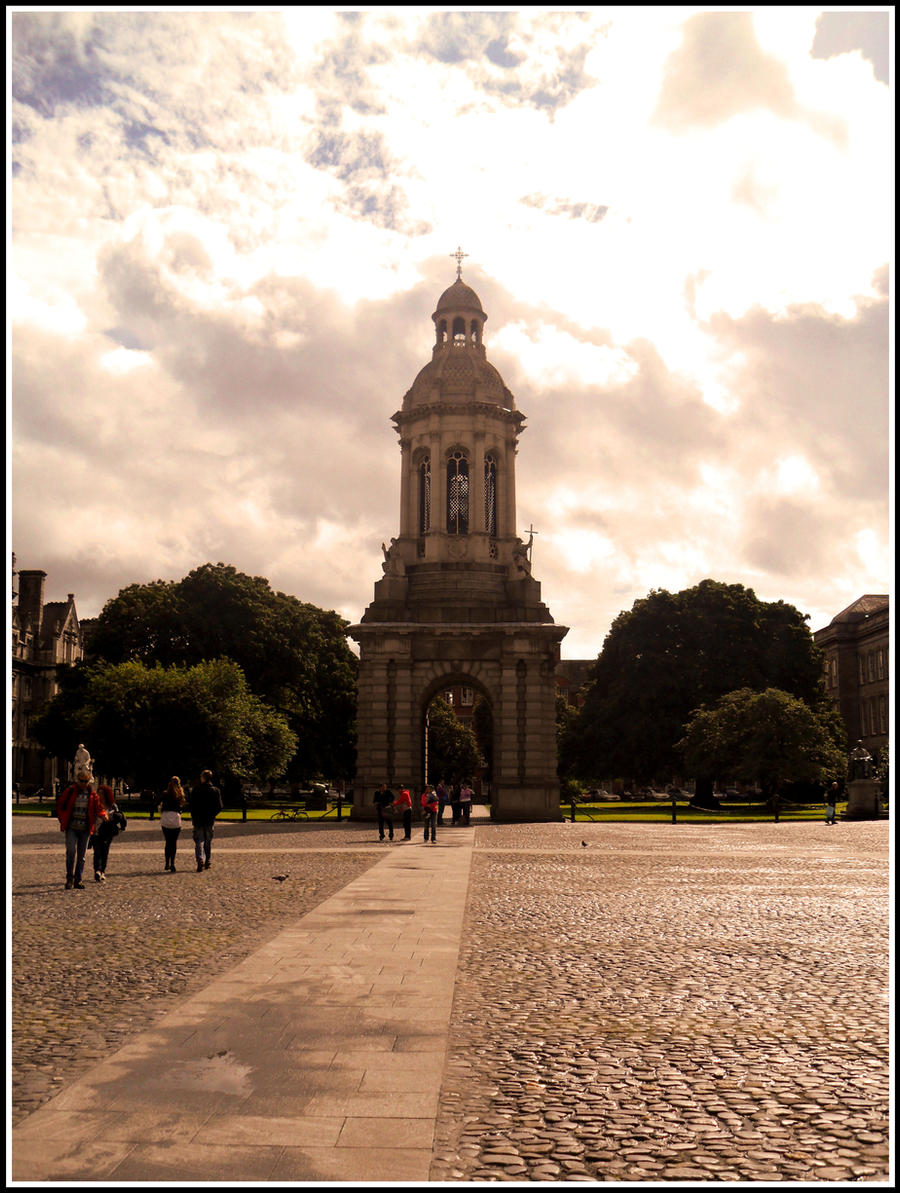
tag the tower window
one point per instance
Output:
(490, 495)
(425, 495)
(459, 331)
(457, 494)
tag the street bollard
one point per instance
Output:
(339, 802)
(673, 812)
(572, 806)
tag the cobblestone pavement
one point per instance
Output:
(669, 1003)
(90, 967)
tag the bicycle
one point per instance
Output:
(290, 814)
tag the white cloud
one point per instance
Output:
(229, 233)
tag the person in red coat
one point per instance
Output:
(403, 806)
(430, 805)
(78, 810)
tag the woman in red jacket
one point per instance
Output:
(78, 810)
(403, 805)
(430, 805)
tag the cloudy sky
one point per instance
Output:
(229, 231)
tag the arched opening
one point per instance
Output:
(474, 331)
(459, 330)
(490, 494)
(458, 738)
(457, 493)
(442, 331)
(424, 502)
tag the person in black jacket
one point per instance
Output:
(205, 805)
(105, 830)
(383, 798)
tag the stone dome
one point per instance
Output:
(460, 375)
(459, 297)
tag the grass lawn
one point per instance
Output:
(657, 811)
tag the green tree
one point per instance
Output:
(453, 752)
(672, 653)
(294, 655)
(483, 725)
(146, 723)
(768, 737)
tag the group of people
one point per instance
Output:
(459, 796)
(434, 801)
(203, 806)
(91, 818)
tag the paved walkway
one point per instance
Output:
(571, 1002)
(318, 1058)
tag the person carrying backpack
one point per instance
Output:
(430, 805)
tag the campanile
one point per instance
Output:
(457, 603)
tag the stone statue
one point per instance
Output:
(860, 766)
(520, 558)
(393, 565)
(82, 761)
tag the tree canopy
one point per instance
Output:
(768, 737)
(294, 655)
(146, 723)
(672, 653)
(453, 753)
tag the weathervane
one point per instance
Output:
(459, 254)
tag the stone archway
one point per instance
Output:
(451, 680)
(457, 597)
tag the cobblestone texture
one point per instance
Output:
(90, 967)
(671, 1004)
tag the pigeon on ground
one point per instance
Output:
(584, 844)
(280, 877)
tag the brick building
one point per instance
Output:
(856, 643)
(46, 636)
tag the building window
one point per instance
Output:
(425, 495)
(880, 664)
(468, 696)
(448, 696)
(834, 672)
(490, 495)
(458, 494)
(862, 669)
(882, 714)
(871, 661)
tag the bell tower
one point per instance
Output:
(457, 603)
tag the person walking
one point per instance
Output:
(455, 805)
(105, 830)
(831, 799)
(383, 800)
(205, 805)
(78, 810)
(465, 802)
(442, 798)
(403, 806)
(170, 807)
(430, 807)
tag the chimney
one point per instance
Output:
(31, 600)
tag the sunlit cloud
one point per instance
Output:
(229, 232)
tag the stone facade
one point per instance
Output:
(856, 643)
(457, 605)
(45, 638)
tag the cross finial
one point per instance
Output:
(459, 254)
